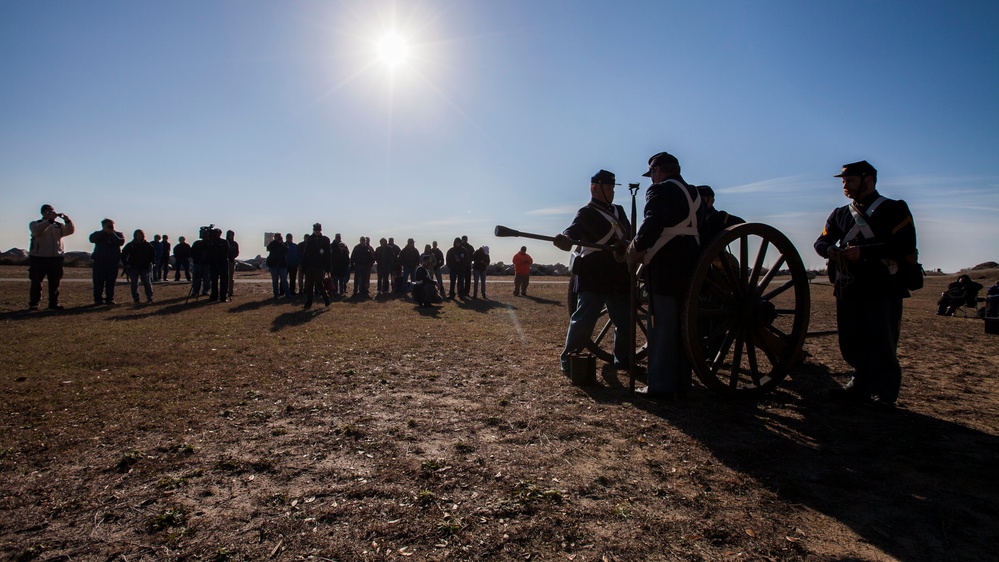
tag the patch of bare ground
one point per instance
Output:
(373, 430)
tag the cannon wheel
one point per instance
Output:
(601, 343)
(742, 324)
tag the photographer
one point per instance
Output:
(107, 253)
(201, 261)
(218, 266)
(45, 259)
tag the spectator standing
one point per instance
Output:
(409, 257)
(158, 250)
(201, 261)
(218, 251)
(361, 259)
(300, 247)
(396, 273)
(292, 257)
(467, 266)
(522, 263)
(45, 258)
(384, 260)
(457, 258)
(316, 263)
(865, 242)
(106, 257)
(341, 264)
(164, 260)
(138, 257)
(480, 261)
(599, 279)
(277, 264)
(438, 264)
(182, 259)
(230, 238)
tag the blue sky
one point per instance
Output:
(269, 116)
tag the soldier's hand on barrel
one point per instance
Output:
(562, 242)
(633, 256)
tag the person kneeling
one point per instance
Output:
(425, 290)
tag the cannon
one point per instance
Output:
(745, 318)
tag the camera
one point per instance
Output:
(205, 231)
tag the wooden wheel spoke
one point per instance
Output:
(770, 274)
(733, 380)
(599, 336)
(715, 288)
(744, 260)
(779, 290)
(754, 368)
(758, 266)
(719, 358)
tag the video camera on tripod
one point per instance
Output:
(206, 232)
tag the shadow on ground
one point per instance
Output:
(913, 486)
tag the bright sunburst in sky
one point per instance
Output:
(393, 49)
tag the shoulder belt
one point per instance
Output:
(860, 220)
(686, 227)
(616, 229)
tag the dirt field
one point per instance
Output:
(372, 430)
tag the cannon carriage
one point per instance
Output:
(745, 317)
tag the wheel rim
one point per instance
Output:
(743, 324)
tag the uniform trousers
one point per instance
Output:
(589, 305)
(868, 339)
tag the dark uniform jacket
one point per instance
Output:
(597, 270)
(671, 267)
(873, 276)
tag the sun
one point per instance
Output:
(393, 49)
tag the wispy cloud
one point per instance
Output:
(773, 185)
(566, 210)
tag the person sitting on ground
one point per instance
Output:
(425, 289)
(962, 292)
(992, 301)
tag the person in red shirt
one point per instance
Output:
(522, 263)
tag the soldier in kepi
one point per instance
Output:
(869, 244)
(668, 243)
(599, 278)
